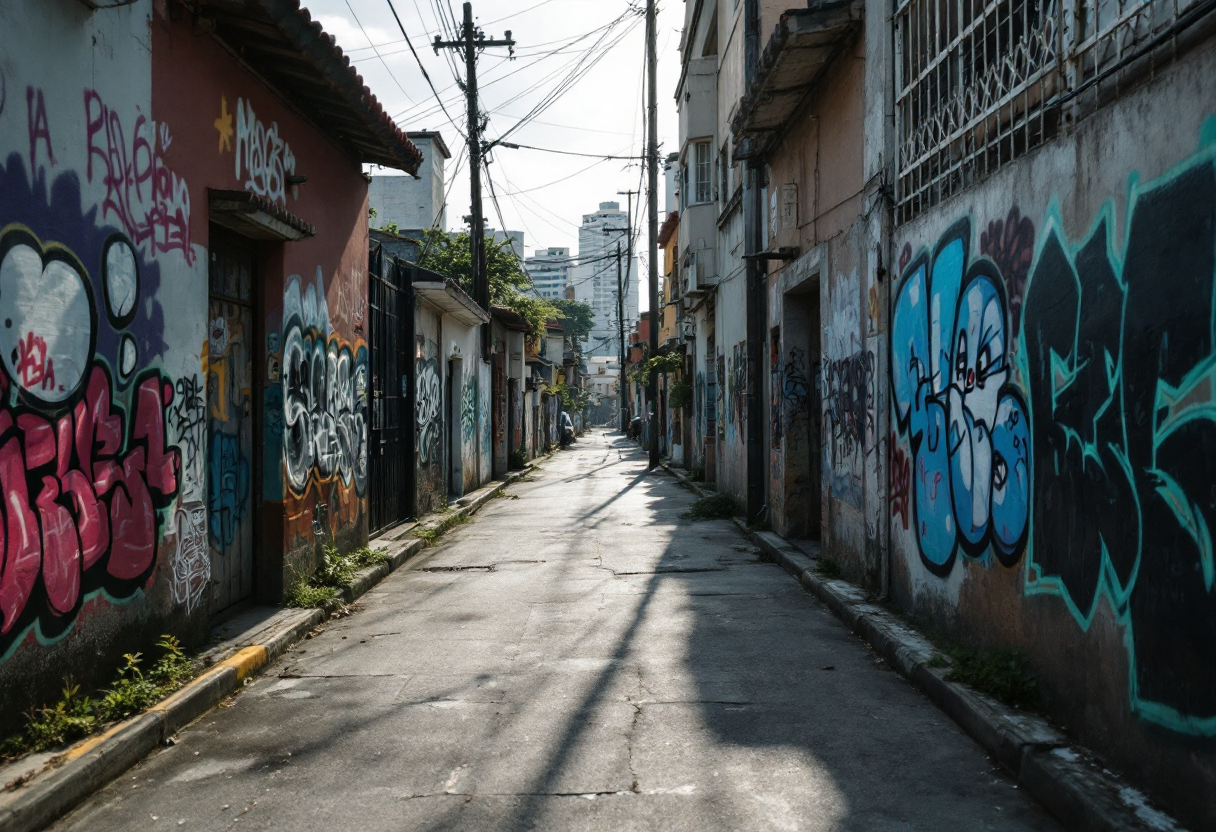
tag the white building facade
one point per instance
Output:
(594, 279)
(549, 269)
(413, 204)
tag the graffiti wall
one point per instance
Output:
(1053, 395)
(102, 451)
(429, 413)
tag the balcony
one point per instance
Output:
(801, 49)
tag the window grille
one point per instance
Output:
(981, 82)
(704, 165)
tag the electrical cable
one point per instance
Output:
(423, 68)
(377, 53)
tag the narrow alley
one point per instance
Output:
(600, 671)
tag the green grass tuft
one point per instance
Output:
(713, 507)
(825, 567)
(1004, 675)
(336, 573)
(430, 535)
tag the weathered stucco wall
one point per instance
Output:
(115, 371)
(310, 351)
(1053, 350)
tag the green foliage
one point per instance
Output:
(336, 572)
(680, 395)
(510, 285)
(672, 362)
(517, 458)
(578, 318)
(698, 474)
(74, 717)
(573, 398)
(1005, 675)
(714, 507)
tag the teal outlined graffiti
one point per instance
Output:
(1119, 354)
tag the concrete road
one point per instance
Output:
(578, 658)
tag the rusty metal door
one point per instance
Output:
(230, 343)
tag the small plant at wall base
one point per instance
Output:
(336, 573)
(1005, 675)
(713, 507)
(74, 717)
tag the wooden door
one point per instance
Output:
(230, 412)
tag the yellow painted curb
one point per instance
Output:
(78, 751)
(247, 661)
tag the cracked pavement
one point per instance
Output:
(580, 658)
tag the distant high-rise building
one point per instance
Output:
(549, 269)
(515, 238)
(413, 204)
(594, 279)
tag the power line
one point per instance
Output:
(423, 68)
(604, 156)
(377, 52)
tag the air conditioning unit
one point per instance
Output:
(699, 271)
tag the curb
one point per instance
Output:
(1080, 793)
(73, 775)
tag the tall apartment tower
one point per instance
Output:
(549, 269)
(594, 278)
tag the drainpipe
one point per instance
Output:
(756, 284)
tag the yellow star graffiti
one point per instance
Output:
(224, 125)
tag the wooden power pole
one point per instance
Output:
(652, 175)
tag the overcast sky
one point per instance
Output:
(542, 194)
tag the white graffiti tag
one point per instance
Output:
(192, 567)
(428, 411)
(263, 154)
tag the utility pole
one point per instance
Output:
(652, 176)
(620, 322)
(628, 239)
(471, 41)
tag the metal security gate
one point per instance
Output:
(390, 491)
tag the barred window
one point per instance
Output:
(981, 82)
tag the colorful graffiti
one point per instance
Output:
(428, 405)
(1119, 354)
(227, 487)
(966, 423)
(148, 200)
(83, 492)
(261, 154)
(324, 384)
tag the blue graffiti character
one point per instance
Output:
(967, 425)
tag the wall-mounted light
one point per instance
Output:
(293, 180)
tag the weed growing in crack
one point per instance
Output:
(713, 507)
(430, 536)
(74, 716)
